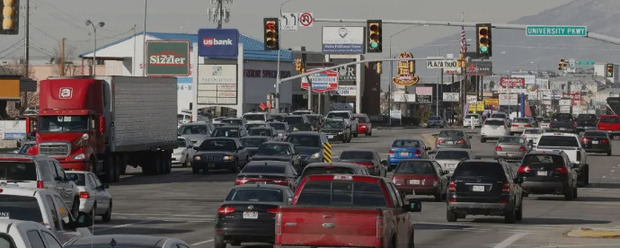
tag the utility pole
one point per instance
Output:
(27, 53)
(62, 57)
(220, 14)
(144, 42)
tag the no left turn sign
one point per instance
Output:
(306, 19)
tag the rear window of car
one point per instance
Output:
(406, 143)
(586, 117)
(18, 171)
(278, 126)
(294, 119)
(471, 116)
(78, 178)
(194, 129)
(434, 118)
(522, 120)
(362, 119)
(327, 170)
(503, 116)
(450, 134)
(260, 132)
(415, 167)
(218, 145)
(479, 169)
(225, 132)
(609, 119)
(255, 195)
(562, 117)
(456, 155)
(510, 139)
(264, 169)
(362, 155)
(343, 115)
(304, 140)
(558, 141)
(253, 142)
(595, 134)
(254, 117)
(543, 159)
(494, 123)
(20, 208)
(342, 193)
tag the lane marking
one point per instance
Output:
(510, 240)
(202, 242)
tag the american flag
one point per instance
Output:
(463, 46)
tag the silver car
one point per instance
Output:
(449, 158)
(511, 147)
(452, 139)
(94, 196)
(184, 152)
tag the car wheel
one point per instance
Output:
(519, 214)
(451, 216)
(569, 194)
(609, 153)
(75, 208)
(218, 242)
(510, 215)
(438, 196)
(195, 169)
(108, 214)
(482, 140)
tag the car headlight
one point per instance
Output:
(339, 133)
(79, 156)
(316, 155)
(228, 158)
(197, 158)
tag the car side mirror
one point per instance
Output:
(83, 220)
(413, 206)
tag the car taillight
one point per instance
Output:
(84, 195)
(498, 148)
(391, 151)
(278, 223)
(239, 181)
(584, 140)
(522, 148)
(40, 184)
(524, 169)
(528, 125)
(273, 211)
(515, 125)
(506, 188)
(379, 227)
(562, 170)
(461, 141)
(438, 140)
(604, 141)
(225, 210)
(452, 187)
(418, 152)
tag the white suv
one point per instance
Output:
(472, 120)
(494, 128)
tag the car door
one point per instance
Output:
(402, 217)
(63, 186)
(52, 212)
(242, 152)
(102, 197)
(443, 179)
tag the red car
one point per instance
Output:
(422, 177)
(346, 211)
(609, 123)
(364, 126)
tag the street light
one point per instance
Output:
(92, 24)
(278, 66)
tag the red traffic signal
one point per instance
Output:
(271, 35)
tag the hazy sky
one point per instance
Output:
(51, 20)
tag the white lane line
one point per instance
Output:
(510, 240)
(202, 242)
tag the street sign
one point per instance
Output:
(289, 21)
(450, 96)
(306, 19)
(167, 58)
(441, 63)
(347, 90)
(564, 102)
(479, 68)
(322, 81)
(556, 30)
(586, 62)
(508, 99)
(491, 101)
(471, 99)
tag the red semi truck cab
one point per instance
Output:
(346, 211)
(71, 122)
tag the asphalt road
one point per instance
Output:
(183, 205)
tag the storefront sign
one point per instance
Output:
(322, 81)
(424, 91)
(217, 84)
(479, 68)
(218, 43)
(347, 90)
(343, 40)
(167, 58)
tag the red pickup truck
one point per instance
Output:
(346, 211)
(609, 123)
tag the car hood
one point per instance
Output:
(267, 157)
(195, 138)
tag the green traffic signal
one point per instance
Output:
(484, 49)
(374, 45)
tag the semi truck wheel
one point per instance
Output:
(108, 168)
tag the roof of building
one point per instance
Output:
(252, 49)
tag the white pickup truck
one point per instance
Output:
(569, 144)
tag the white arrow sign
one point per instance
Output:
(289, 21)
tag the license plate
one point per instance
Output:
(414, 182)
(404, 154)
(252, 215)
(449, 142)
(541, 173)
(330, 136)
(478, 188)
(595, 142)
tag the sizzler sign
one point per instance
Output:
(167, 58)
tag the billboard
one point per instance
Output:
(9, 89)
(424, 91)
(217, 84)
(508, 99)
(451, 96)
(218, 43)
(321, 81)
(167, 58)
(343, 40)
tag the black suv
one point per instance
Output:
(563, 122)
(336, 129)
(548, 173)
(586, 122)
(485, 187)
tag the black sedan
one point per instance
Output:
(229, 131)
(251, 143)
(278, 151)
(268, 172)
(219, 153)
(369, 159)
(596, 142)
(248, 214)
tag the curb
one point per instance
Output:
(585, 232)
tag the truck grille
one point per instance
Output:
(54, 149)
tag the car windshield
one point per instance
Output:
(255, 195)
(193, 129)
(20, 208)
(532, 131)
(451, 134)
(357, 155)
(511, 140)
(362, 119)
(78, 178)
(273, 150)
(342, 193)
(567, 141)
(343, 115)
(595, 134)
(479, 169)
(181, 143)
(415, 167)
(260, 132)
(291, 120)
(254, 117)
(543, 159)
(63, 123)
(452, 155)
(562, 117)
(333, 124)
(264, 169)
(304, 140)
(407, 143)
(327, 170)
(253, 142)
(218, 145)
(225, 132)
(18, 171)
(494, 123)
(278, 126)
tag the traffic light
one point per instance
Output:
(562, 66)
(378, 67)
(610, 70)
(298, 65)
(10, 16)
(483, 35)
(374, 36)
(271, 34)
